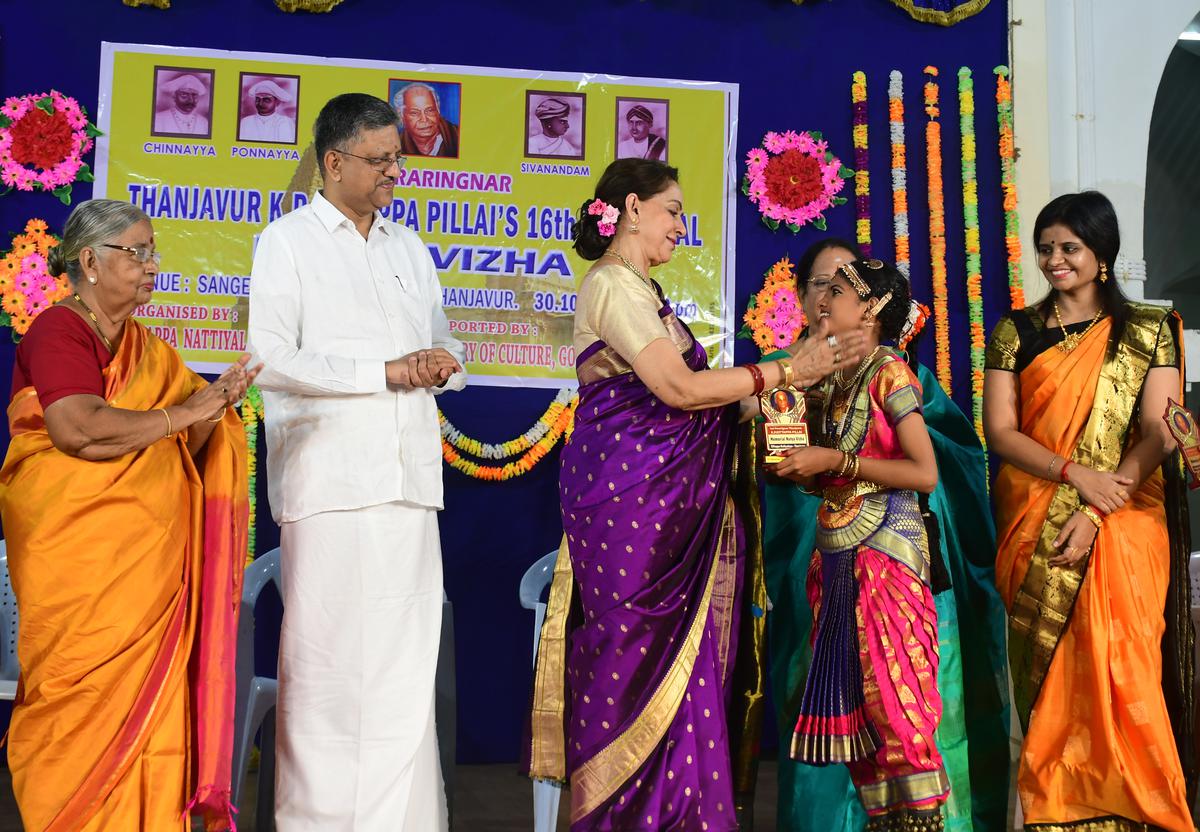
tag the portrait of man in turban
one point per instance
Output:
(642, 125)
(554, 124)
(182, 102)
(268, 108)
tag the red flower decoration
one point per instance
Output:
(41, 140)
(794, 178)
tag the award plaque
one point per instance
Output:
(783, 409)
(1182, 425)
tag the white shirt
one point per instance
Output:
(327, 309)
(552, 145)
(273, 128)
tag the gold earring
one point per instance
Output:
(1103, 272)
(633, 228)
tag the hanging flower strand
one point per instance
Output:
(862, 172)
(252, 414)
(899, 171)
(970, 193)
(937, 227)
(1008, 186)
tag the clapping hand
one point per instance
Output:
(229, 388)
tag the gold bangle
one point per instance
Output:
(1091, 514)
(789, 375)
(845, 466)
(170, 427)
(219, 416)
(1050, 468)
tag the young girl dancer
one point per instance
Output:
(870, 699)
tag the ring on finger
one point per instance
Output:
(832, 341)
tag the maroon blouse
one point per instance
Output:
(60, 356)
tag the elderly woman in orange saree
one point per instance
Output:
(123, 497)
(1092, 560)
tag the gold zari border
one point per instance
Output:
(548, 760)
(904, 791)
(599, 778)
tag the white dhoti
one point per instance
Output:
(362, 596)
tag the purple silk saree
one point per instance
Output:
(632, 702)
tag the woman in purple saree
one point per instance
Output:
(654, 591)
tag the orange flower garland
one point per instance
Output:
(1008, 186)
(937, 228)
(556, 423)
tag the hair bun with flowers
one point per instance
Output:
(608, 214)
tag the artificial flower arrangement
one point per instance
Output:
(793, 178)
(773, 317)
(26, 286)
(43, 138)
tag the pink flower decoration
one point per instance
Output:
(761, 171)
(17, 175)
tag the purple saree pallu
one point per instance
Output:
(652, 541)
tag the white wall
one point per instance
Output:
(1085, 75)
(1084, 79)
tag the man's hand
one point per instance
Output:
(423, 368)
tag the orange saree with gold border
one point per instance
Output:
(1087, 643)
(127, 574)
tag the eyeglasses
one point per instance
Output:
(140, 253)
(381, 164)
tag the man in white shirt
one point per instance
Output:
(642, 142)
(266, 123)
(346, 313)
(553, 113)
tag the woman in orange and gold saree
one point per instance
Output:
(124, 503)
(1091, 531)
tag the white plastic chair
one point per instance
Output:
(546, 795)
(9, 668)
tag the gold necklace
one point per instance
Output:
(1070, 342)
(839, 429)
(631, 267)
(839, 379)
(95, 320)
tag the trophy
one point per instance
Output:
(783, 411)
(1182, 425)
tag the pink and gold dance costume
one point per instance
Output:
(871, 699)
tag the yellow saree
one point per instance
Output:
(127, 574)
(1087, 643)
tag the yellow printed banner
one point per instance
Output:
(213, 145)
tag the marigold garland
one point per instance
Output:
(26, 286)
(793, 178)
(557, 422)
(899, 172)
(42, 141)
(862, 168)
(937, 227)
(970, 192)
(1008, 186)
(252, 414)
(773, 317)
